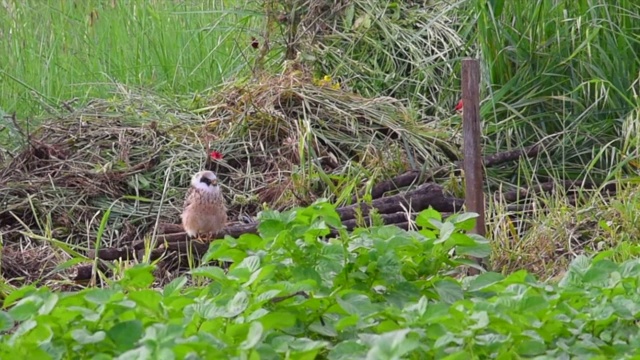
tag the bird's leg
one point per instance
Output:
(200, 239)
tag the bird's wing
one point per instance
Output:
(188, 199)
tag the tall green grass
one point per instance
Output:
(564, 68)
(53, 50)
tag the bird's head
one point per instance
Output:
(205, 180)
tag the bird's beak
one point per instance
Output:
(214, 182)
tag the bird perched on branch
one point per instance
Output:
(205, 212)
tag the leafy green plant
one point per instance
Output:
(375, 293)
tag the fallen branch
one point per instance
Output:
(180, 244)
(414, 201)
(392, 210)
(198, 248)
(417, 176)
(549, 187)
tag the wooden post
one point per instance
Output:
(472, 163)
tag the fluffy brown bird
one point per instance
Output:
(205, 212)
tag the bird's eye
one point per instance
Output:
(205, 180)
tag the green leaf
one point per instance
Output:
(478, 250)
(253, 336)
(6, 322)
(25, 309)
(138, 276)
(449, 291)
(390, 345)
(580, 264)
(221, 251)
(425, 216)
(257, 314)
(356, 303)
(347, 350)
(278, 320)
(126, 334)
(485, 280)
(50, 301)
(463, 221)
(174, 286)
(531, 348)
(346, 322)
(305, 344)
(599, 272)
(99, 296)
(267, 295)
(417, 309)
(85, 337)
(349, 15)
(269, 229)
(324, 329)
(460, 355)
(252, 263)
(140, 353)
(17, 295)
(211, 272)
(626, 309)
(306, 274)
(481, 320)
(238, 304)
(446, 231)
(149, 299)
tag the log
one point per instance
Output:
(171, 238)
(198, 249)
(415, 200)
(85, 272)
(419, 199)
(181, 245)
(417, 176)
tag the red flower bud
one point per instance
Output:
(215, 155)
(459, 106)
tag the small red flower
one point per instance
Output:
(215, 155)
(459, 106)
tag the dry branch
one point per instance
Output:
(391, 209)
(177, 242)
(416, 200)
(416, 176)
(549, 187)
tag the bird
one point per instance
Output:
(205, 211)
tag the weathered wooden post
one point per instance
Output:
(472, 163)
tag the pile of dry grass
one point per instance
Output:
(104, 156)
(292, 138)
(112, 170)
